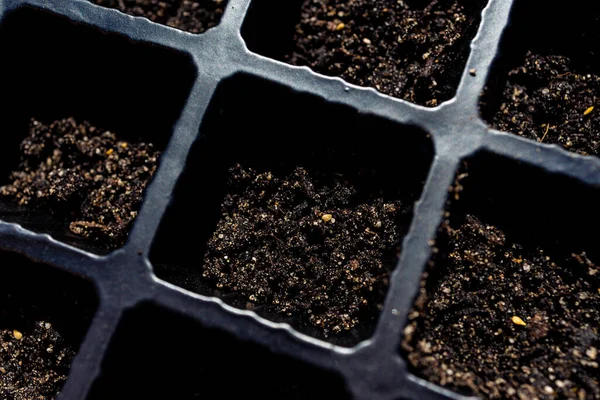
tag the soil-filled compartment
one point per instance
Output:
(298, 207)
(510, 305)
(412, 50)
(195, 16)
(87, 115)
(185, 360)
(545, 82)
(44, 315)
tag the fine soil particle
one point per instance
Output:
(414, 50)
(34, 363)
(499, 320)
(195, 16)
(301, 245)
(548, 100)
(85, 175)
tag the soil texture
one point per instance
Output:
(499, 320)
(304, 245)
(411, 49)
(195, 16)
(85, 175)
(548, 100)
(34, 363)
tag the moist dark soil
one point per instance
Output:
(34, 362)
(85, 175)
(549, 100)
(304, 245)
(414, 50)
(499, 320)
(195, 16)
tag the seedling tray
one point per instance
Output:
(214, 98)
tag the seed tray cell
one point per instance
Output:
(413, 50)
(544, 82)
(169, 339)
(43, 322)
(62, 69)
(336, 148)
(227, 96)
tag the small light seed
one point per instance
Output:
(18, 335)
(518, 321)
(326, 217)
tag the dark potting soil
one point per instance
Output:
(548, 100)
(85, 175)
(500, 320)
(302, 245)
(34, 363)
(194, 16)
(414, 50)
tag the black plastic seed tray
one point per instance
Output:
(207, 100)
